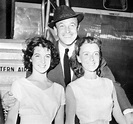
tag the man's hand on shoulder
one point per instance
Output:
(8, 100)
(129, 117)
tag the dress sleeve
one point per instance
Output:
(16, 90)
(63, 99)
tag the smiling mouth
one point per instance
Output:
(42, 66)
(91, 64)
(67, 36)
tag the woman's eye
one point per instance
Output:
(85, 54)
(48, 56)
(96, 53)
(72, 24)
(36, 55)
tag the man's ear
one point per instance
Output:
(78, 27)
(31, 60)
(55, 30)
(55, 33)
(78, 58)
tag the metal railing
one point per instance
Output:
(46, 7)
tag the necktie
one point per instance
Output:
(67, 75)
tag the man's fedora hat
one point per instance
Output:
(64, 12)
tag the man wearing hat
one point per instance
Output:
(66, 26)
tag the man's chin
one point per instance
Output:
(69, 43)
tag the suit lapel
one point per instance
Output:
(56, 75)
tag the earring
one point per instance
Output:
(30, 60)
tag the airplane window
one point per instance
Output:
(120, 5)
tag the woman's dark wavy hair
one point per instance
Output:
(37, 41)
(75, 65)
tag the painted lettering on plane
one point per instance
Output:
(11, 69)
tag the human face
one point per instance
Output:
(67, 31)
(89, 56)
(41, 59)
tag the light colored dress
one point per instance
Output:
(37, 106)
(94, 100)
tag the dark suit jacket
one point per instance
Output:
(56, 75)
(1, 113)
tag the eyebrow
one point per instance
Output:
(48, 54)
(60, 23)
(70, 21)
(36, 54)
(89, 52)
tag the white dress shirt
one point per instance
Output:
(62, 51)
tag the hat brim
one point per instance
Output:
(78, 16)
